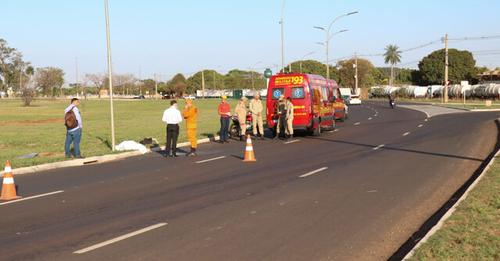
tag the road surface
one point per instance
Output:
(356, 193)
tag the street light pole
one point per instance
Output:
(282, 37)
(445, 69)
(328, 38)
(110, 76)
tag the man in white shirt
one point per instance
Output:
(172, 117)
(73, 122)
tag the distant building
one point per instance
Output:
(492, 76)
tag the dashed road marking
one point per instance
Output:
(32, 197)
(292, 141)
(120, 238)
(336, 130)
(426, 120)
(370, 118)
(406, 133)
(357, 123)
(313, 172)
(379, 146)
(208, 160)
(420, 126)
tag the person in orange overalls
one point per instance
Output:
(190, 113)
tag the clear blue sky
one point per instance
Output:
(167, 37)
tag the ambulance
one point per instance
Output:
(317, 102)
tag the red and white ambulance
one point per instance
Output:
(316, 101)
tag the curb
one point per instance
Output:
(450, 211)
(95, 159)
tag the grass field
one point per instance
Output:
(473, 230)
(40, 127)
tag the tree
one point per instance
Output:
(97, 79)
(49, 79)
(12, 67)
(178, 85)
(461, 66)
(346, 73)
(392, 56)
(313, 67)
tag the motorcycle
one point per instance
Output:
(392, 103)
(235, 128)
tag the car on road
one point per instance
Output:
(139, 97)
(354, 100)
(317, 102)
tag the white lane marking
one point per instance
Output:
(406, 133)
(426, 120)
(212, 159)
(292, 141)
(120, 238)
(420, 125)
(313, 172)
(370, 118)
(336, 130)
(357, 123)
(32, 197)
(379, 146)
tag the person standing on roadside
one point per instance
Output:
(281, 112)
(224, 111)
(73, 122)
(256, 108)
(190, 114)
(172, 117)
(241, 113)
(289, 117)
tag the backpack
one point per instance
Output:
(70, 120)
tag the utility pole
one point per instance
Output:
(76, 77)
(156, 86)
(110, 76)
(282, 37)
(215, 83)
(203, 83)
(355, 73)
(446, 68)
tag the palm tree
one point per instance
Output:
(393, 56)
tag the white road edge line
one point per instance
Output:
(313, 172)
(379, 146)
(212, 159)
(120, 238)
(406, 133)
(32, 197)
(292, 141)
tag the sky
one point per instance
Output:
(168, 37)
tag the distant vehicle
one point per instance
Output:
(354, 100)
(139, 97)
(192, 97)
(317, 101)
(166, 97)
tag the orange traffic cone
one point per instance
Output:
(8, 187)
(249, 155)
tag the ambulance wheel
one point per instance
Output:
(344, 116)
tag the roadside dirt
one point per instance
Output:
(34, 122)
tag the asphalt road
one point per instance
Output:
(357, 193)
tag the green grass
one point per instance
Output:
(40, 128)
(473, 230)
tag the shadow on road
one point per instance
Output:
(400, 149)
